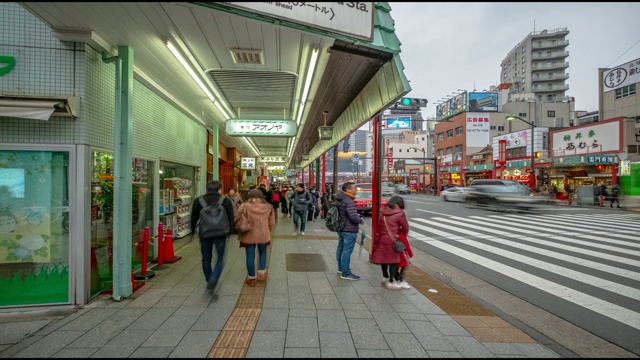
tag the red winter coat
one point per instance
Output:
(383, 251)
(408, 253)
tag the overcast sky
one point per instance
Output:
(448, 46)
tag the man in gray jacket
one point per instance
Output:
(347, 237)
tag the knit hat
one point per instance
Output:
(255, 193)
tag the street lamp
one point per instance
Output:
(533, 154)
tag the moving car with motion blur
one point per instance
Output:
(457, 194)
(403, 189)
(364, 201)
(502, 198)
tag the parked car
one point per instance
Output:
(364, 201)
(508, 197)
(403, 189)
(458, 194)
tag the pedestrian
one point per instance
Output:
(235, 198)
(290, 194)
(570, 191)
(300, 201)
(603, 193)
(615, 192)
(325, 204)
(263, 188)
(315, 207)
(261, 218)
(273, 197)
(284, 206)
(347, 237)
(391, 225)
(207, 244)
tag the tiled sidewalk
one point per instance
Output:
(295, 314)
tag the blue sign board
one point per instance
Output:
(399, 122)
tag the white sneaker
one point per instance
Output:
(302, 233)
(384, 281)
(392, 285)
(295, 233)
(405, 285)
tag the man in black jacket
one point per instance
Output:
(214, 191)
(269, 197)
(347, 236)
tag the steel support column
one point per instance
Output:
(335, 169)
(324, 173)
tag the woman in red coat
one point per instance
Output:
(391, 224)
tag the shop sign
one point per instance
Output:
(273, 159)
(447, 158)
(284, 128)
(7, 63)
(478, 127)
(625, 167)
(277, 172)
(600, 159)
(349, 18)
(275, 167)
(601, 137)
(623, 75)
(247, 163)
(477, 157)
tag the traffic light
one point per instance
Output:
(406, 101)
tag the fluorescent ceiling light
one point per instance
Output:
(300, 111)
(293, 139)
(305, 91)
(195, 77)
(250, 144)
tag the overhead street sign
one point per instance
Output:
(284, 128)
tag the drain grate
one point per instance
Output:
(306, 263)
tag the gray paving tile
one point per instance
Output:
(134, 313)
(273, 319)
(469, 346)
(332, 321)
(219, 300)
(303, 313)
(412, 316)
(301, 352)
(444, 354)
(405, 346)
(502, 348)
(212, 319)
(195, 344)
(90, 319)
(171, 332)
(447, 326)
(393, 296)
(535, 350)
(152, 319)
(424, 305)
(369, 353)
(102, 333)
(50, 344)
(326, 301)
(148, 298)
(12, 350)
(198, 299)
(376, 302)
(124, 344)
(337, 345)
(3, 348)
(295, 279)
(12, 332)
(366, 335)
(428, 336)
(405, 308)
(152, 352)
(347, 294)
(321, 286)
(390, 322)
(276, 301)
(267, 344)
(364, 287)
(170, 302)
(302, 332)
(358, 314)
(82, 353)
(276, 287)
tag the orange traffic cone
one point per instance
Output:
(169, 256)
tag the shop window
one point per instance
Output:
(626, 91)
(34, 227)
(516, 153)
(459, 130)
(500, 128)
(176, 193)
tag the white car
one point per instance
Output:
(458, 194)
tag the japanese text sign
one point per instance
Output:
(620, 76)
(478, 127)
(247, 163)
(600, 159)
(284, 128)
(275, 167)
(597, 138)
(273, 159)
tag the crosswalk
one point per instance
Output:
(590, 262)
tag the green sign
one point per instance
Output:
(284, 128)
(7, 63)
(600, 159)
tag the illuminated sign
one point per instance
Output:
(247, 163)
(275, 167)
(285, 128)
(273, 159)
(483, 101)
(398, 122)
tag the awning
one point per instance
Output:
(38, 109)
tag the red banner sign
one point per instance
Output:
(502, 151)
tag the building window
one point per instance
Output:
(637, 119)
(626, 91)
(449, 150)
(399, 150)
(522, 114)
(415, 150)
(550, 97)
(440, 152)
(492, 127)
(459, 130)
(441, 136)
(551, 113)
(523, 69)
(500, 128)
(459, 149)
(632, 149)
(449, 133)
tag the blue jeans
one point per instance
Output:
(346, 243)
(206, 248)
(302, 216)
(251, 258)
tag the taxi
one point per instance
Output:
(364, 201)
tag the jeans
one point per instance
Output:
(251, 258)
(206, 248)
(302, 217)
(346, 243)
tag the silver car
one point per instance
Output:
(458, 194)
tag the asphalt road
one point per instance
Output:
(581, 265)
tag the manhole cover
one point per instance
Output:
(306, 263)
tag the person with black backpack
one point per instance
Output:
(347, 234)
(300, 201)
(212, 214)
(274, 197)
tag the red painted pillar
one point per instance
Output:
(302, 181)
(377, 173)
(614, 174)
(312, 180)
(323, 171)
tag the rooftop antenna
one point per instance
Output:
(474, 85)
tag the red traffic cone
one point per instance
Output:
(135, 286)
(169, 256)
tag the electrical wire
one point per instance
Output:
(624, 53)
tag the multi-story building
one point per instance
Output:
(538, 64)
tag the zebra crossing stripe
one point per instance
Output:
(548, 222)
(613, 220)
(605, 308)
(560, 256)
(598, 223)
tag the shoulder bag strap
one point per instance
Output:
(202, 202)
(387, 226)
(221, 199)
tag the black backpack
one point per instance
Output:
(213, 219)
(334, 220)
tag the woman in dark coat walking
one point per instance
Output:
(392, 222)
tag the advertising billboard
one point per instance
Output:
(403, 122)
(483, 101)
(452, 106)
(478, 127)
(601, 137)
(623, 75)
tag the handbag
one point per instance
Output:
(398, 245)
(243, 226)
